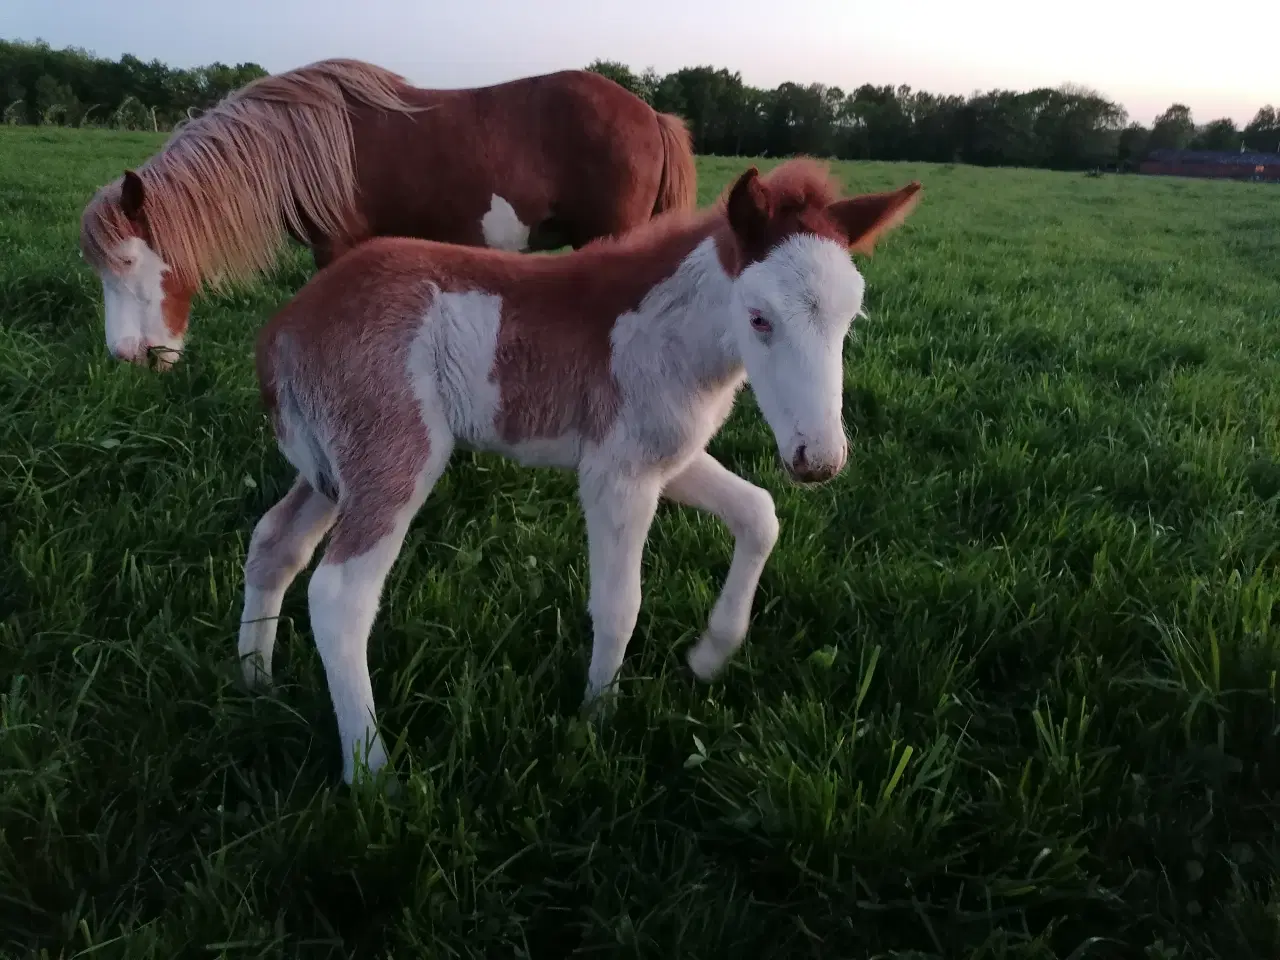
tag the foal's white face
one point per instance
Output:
(793, 312)
(795, 299)
(134, 297)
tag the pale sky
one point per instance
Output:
(1220, 61)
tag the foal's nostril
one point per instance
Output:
(798, 461)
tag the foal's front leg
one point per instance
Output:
(619, 511)
(749, 513)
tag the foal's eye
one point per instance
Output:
(759, 324)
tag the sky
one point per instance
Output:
(1135, 52)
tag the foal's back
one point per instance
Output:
(544, 308)
(514, 349)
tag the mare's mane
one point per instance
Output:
(227, 188)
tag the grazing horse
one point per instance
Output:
(341, 150)
(619, 361)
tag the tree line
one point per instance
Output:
(1067, 127)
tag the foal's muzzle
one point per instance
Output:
(807, 469)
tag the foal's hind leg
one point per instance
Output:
(282, 544)
(344, 595)
(749, 513)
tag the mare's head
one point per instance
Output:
(796, 294)
(146, 303)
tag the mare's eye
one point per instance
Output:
(759, 324)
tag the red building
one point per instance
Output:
(1219, 164)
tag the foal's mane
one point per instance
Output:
(798, 183)
(228, 187)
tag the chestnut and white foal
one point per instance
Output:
(620, 361)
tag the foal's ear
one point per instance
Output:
(131, 195)
(749, 208)
(867, 218)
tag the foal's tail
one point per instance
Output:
(678, 189)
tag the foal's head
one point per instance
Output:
(796, 294)
(146, 305)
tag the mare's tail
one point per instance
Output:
(678, 189)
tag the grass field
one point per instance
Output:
(1010, 689)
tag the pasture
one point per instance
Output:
(1010, 688)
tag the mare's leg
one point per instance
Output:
(619, 511)
(749, 513)
(344, 595)
(282, 544)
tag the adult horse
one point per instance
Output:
(341, 150)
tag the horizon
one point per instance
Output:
(1136, 62)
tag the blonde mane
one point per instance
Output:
(228, 187)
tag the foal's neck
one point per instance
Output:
(702, 308)
(680, 331)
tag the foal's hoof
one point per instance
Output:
(598, 703)
(256, 677)
(708, 657)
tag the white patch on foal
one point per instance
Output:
(502, 228)
(133, 303)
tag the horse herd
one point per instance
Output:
(430, 325)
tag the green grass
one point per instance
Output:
(1010, 689)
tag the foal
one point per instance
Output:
(619, 361)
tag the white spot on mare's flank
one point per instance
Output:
(502, 228)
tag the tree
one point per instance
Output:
(1173, 129)
(619, 73)
(1217, 135)
(1263, 132)
(1131, 147)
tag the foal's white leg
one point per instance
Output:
(619, 511)
(749, 513)
(344, 598)
(344, 594)
(282, 544)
